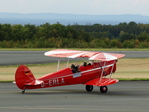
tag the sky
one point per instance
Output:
(90, 7)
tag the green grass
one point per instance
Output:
(126, 67)
(134, 79)
(120, 79)
(127, 70)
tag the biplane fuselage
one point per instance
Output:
(66, 76)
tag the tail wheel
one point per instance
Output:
(23, 91)
(89, 88)
(103, 89)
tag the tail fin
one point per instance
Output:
(22, 76)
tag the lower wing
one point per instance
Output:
(101, 81)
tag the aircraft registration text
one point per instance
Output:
(56, 81)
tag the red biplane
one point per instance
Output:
(90, 74)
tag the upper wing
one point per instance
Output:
(76, 54)
(69, 53)
(106, 56)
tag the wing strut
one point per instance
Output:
(67, 62)
(100, 78)
(58, 63)
(112, 69)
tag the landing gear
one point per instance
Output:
(23, 91)
(103, 89)
(89, 88)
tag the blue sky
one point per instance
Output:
(91, 7)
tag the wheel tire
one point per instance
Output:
(103, 89)
(23, 92)
(89, 88)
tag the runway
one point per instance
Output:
(124, 96)
(37, 57)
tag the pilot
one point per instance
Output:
(84, 64)
(73, 68)
(77, 68)
(89, 63)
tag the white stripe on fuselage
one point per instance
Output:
(97, 68)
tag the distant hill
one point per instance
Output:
(65, 19)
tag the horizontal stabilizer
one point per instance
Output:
(36, 82)
(101, 81)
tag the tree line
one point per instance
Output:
(122, 35)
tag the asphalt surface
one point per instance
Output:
(124, 96)
(37, 57)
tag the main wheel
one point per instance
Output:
(103, 89)
(89, 88)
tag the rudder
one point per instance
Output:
(22, 76)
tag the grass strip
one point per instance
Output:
(127, 69)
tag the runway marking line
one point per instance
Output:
(26, 108)
(72, 91)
